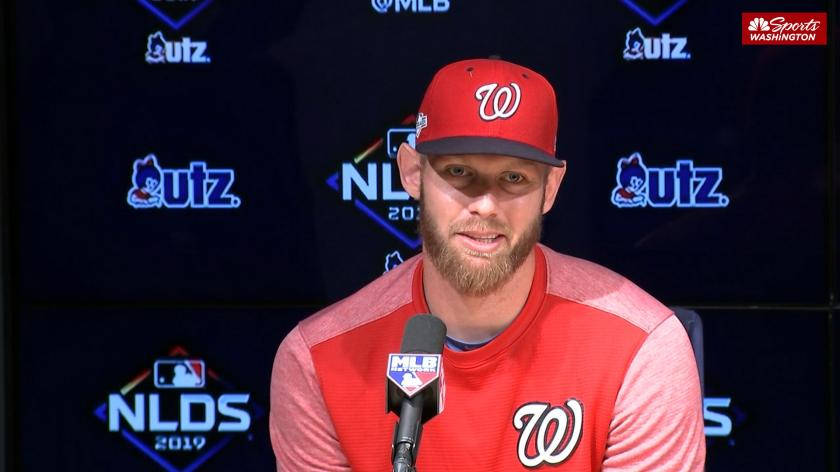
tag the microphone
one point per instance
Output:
(415, 388)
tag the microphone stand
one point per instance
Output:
(407, 434)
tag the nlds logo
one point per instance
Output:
(370, 182)
(683, 186)
(639, 47)
(196, 187)
(175, 13)
(179, 412)
(185, 51)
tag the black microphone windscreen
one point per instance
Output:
(424, 334)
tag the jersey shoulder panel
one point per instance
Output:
(377, 299)
(593, 285)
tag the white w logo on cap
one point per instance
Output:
(500, 110)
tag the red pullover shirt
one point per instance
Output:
(593, 374)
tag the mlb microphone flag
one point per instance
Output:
(412, 373)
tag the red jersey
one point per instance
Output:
(593, 374)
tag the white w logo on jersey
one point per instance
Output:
(500, 110)
(561, 444)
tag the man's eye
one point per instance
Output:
(513, 178)
(457, 171)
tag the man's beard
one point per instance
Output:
(454, 264)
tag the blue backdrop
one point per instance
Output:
(292, 107)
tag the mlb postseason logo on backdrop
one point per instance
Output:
(175, 13)
(197, 186)
(717, 423)
(412, 372)
(182, 51)
(637, 46)
(178, 412)
(784, 28)
(414, 6)
(683, 185)
(371, 182)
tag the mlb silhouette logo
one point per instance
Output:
(397, 136)
(179, 373)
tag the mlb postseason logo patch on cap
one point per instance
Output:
(489, 106)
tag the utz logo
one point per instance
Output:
(370, 183)
(414, 6)
(538, 442)
(684, 185)
(185, 51)
(178, 412)
(195, 187)
(665, 47)
(175, 13)
(412, 372)
(392, 260)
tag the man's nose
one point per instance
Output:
(484, 204)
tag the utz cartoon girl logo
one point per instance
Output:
(631, 178)
(147, 179)
(197, 186)
(683, 185)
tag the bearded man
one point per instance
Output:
(551, 361)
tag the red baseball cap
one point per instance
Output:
(489, 106)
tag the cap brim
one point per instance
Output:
(487, 145)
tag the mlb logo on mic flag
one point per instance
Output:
(412, 372)
(784, 28)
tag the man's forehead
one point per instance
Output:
(488, 161)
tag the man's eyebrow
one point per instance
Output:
(527, 164)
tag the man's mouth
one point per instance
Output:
(481, 241)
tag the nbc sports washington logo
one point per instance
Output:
(539, 442)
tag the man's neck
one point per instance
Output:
(477, 318)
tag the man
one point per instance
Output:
(550, 361)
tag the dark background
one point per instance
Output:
(96, 289)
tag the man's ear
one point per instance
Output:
(411, 169)
(552, 184)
